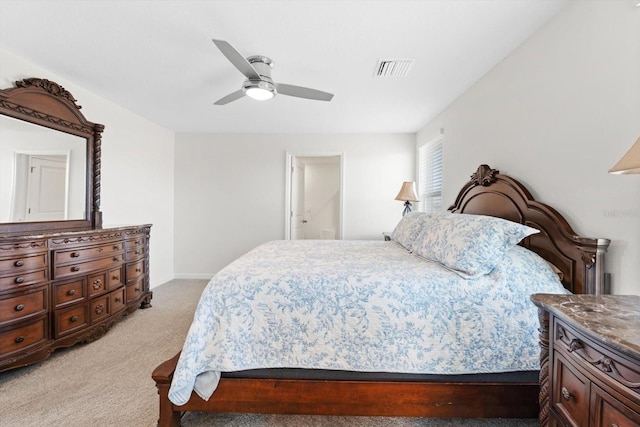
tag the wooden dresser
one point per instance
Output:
(61, 288)
(590, 360)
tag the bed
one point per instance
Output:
(394, 380)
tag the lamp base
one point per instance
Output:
(407, 208)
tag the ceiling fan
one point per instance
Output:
(259, 85)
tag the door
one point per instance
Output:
(46, 188)
(314, 196)
(297, 200)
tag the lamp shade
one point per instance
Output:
(630, 162)
(407, 192)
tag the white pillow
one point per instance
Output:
(470, 245)
(408, 229)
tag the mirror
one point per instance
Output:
(42, 173)
(49, 160)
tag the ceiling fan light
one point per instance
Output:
(259, 93)
(260, 90)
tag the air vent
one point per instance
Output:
(392, 67)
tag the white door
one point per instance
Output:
(46, 188)
(297, 200)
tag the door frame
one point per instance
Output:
(290, 155)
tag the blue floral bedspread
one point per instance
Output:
(361, 306)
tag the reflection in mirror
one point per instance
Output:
(42, 173)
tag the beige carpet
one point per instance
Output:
(108, 382)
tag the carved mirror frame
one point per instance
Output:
(45, 103)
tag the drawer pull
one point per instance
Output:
(118, 300)
(136, 289)
(115, 277)
(116, 247)
(99, 308)
(75, 254)
(565, 394)
(19, 263)
(116, 259)
(71, 292)
(75, 268)
(137, 252)
(74, 318)
(97, 284)
(19, 280)
(19, 307)
(19, 339)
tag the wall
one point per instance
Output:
(230, 190)
(137, 164)
(557, 114)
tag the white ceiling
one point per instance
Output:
(156, 57)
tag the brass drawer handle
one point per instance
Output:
(74, 318)
(19, 339)
(75, 254)
(115, 277)
(75, 268)
(19, 280)
(19, 263)
(117, 299)
(19, 307)
(565, 394)
(71, 292)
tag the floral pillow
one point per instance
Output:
(408, 229)
(470, 245)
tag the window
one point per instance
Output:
(430, 176)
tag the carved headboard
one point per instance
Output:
(580, 259)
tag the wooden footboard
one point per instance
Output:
(370, 398)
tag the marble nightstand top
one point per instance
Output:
(611, 319)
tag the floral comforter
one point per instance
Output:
(361, 306)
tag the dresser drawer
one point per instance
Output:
(20, 281)
(60, 272)
(99, 308)
(70, 320)
(134, 291)
(68, 293)
(21, 337)
(21, 265)
(134, 270)
(136, 254)
(114, 278)
(135, 243)
(26, 304)
(570, 393)
(18, 249)
(73, 256)
(118, 301)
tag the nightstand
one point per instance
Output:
(589, 360)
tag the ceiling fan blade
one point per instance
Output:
(303, 92)
(238, 61)
(230, 98)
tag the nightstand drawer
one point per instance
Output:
(613, 411)
(597, 360)
(570, 394)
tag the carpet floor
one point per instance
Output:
(107, 383)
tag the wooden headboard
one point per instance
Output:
(580, 259)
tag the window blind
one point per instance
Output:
(430, 176)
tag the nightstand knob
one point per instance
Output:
(565, 394)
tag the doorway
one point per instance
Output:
(314, 196)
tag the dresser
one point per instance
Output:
(61, 288)
(589, 360)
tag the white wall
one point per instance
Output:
(137, 164)
(556, 114)
(230, 190)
